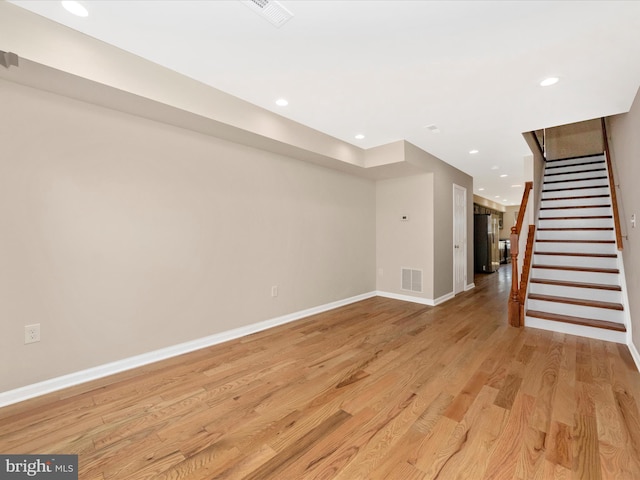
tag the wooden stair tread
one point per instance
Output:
(576, 206)
(564, 283)
(573, 188)
(574, 180)
(578, 217)
(576, 301)
(586, 162)
(576, 254)
(575, 172)
(577, 269)
(576, 197)
(576, 241)
(587, 322)
(574, 228)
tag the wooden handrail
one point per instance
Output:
(514, 297)
(523, 206)
(612, 186)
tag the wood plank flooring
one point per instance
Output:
(380, 389)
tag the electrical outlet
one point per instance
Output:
(274, 291)
(32, 333)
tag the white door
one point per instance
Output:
(459, 238)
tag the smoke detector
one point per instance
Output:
(270, 10)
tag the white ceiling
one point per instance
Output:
(387, 69)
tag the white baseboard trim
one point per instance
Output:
(444, 298)
(634, 354)
(471, 286)
(48, 386)
(406, 298)
(410, 298)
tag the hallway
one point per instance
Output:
(380, 389)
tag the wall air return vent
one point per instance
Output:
(411, 280)
(271, 10)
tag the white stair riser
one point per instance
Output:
(575, 168)
(581, 330)
(578, 175)
(606, 248)
(575, 235)
(572, 261)
(576, 276)
(573, 193)
(593, 313)
(597, 294)
(575, 212)
(574, 161)
(576, 184)
(576, 223)
(595, 201)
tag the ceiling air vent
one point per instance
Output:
(271, 10)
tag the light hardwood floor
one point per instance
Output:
(380, 389)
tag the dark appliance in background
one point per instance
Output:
(505, 251)
(485, 234)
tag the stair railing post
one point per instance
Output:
(514, 297)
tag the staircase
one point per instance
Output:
(576, 283)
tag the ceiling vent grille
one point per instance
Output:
(411, 280)
(271, 10)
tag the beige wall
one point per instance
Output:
(38, 40)
(162, 211)
(445, 176)
(534, 171)
(574, 140)
(425, 241)
(624, 143)
(121, 235)
(405, 244)
(509, 218)
(485, 202)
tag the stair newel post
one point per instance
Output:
(514, 297)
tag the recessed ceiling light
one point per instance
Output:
(282, 102)
(473, 152)
(515, 186)
(495, 167)
(547, 82)
(75, 8)
(497, 196)
(432, 128)
(481, 189)
(504, 175)
(359, 136)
